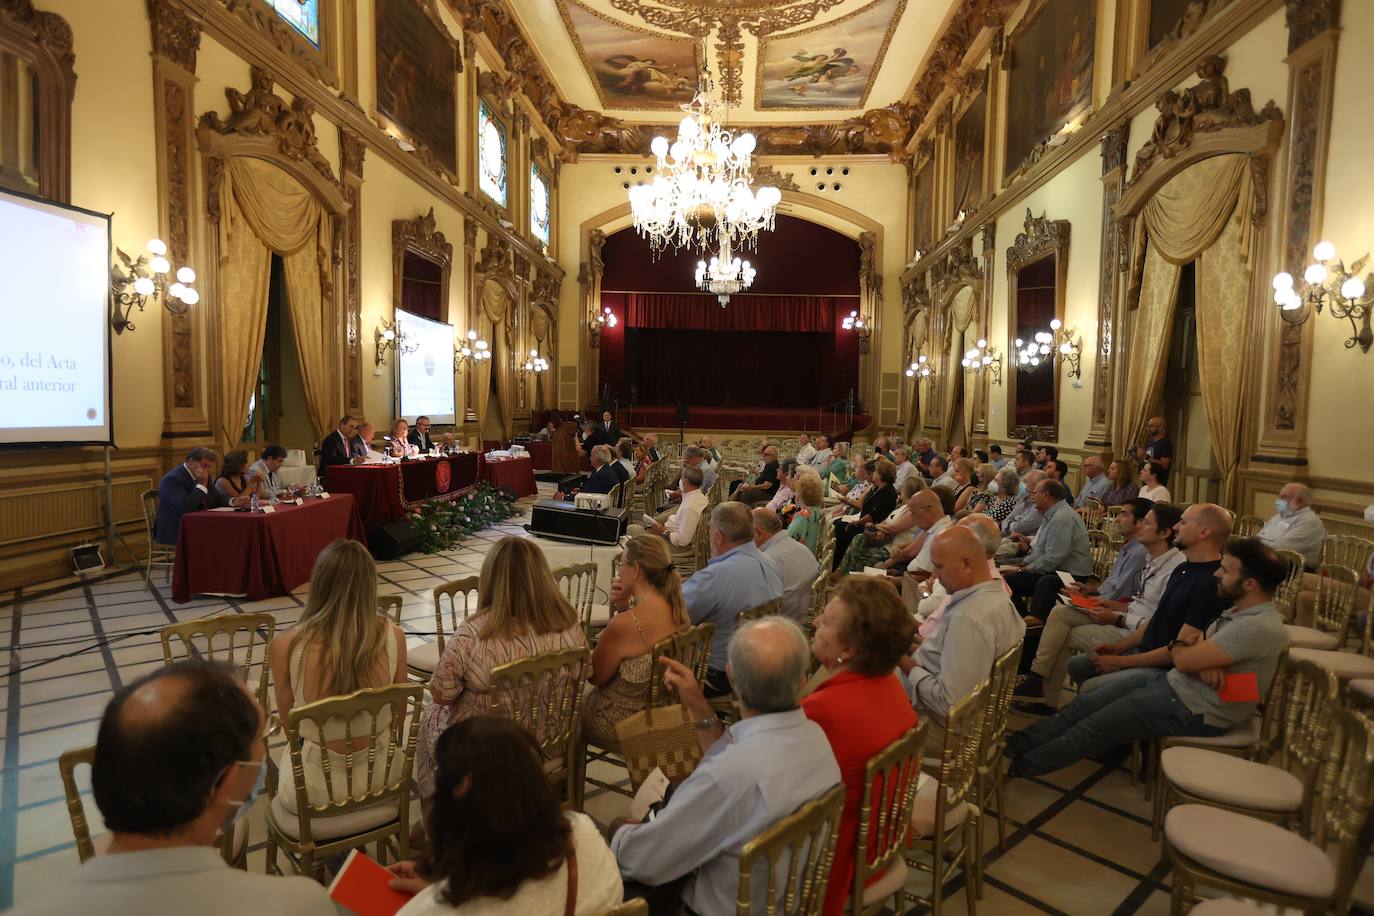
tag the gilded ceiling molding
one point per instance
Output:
(767, 175)
(1307, 19)
(1195, 15)
(965, 25)
(176, 36)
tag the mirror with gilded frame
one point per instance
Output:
(1037, 271)
(421, 265)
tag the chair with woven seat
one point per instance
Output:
(655, 695)
(1333, 607)
(799, 848)
(1282, 792)
(461, 597)
(364, 795)
(891, 777)
(992, 770)
(944, 816)
(1347, 550)
(543, 694)
(1286, 595)
(160, 556)
(1247, 526)
(577, 582)
(1261, 861)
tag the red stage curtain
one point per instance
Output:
(701, 311)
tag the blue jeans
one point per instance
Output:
(1122, 710)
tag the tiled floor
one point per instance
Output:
(1078, 842)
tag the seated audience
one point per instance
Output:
(931, 607)
(1024, 520)
(1152, 483)
(931, 510)
(737, 577)
(979, 494)
(650, 443)
(265, 469)
(877, 505)
(603, 478)
(179, 756)
(851, 493)
(939, 473)
(759, 770)
(1061, 544)
(805, 450)
(796, 564)
(1044, 455)
(962, 485)
(337, 447)
(875, 544)
(1295, 526)
(1121, 579)
(692, 457)
(978, 625)
(1123, 486)
(185, 488)
(235, 486)
(787, 472)
(861, 705)
(820, 458)
(1188, 606)
(708, 445)
(641, 462)
(1095, 483)
(591, 436)
(838, 464)
(923, 455)
(419, 436)
(1000, 496)
(1057, 469)
(1248, 638)
(1069, 627)
(809, 518)
(398, 445)
(680, 527)
(765, 484)
(621, 667)
(996, 457)
(1158, 448)
(340, 645)
(520, 613)
(901, 457)
(622, 464)
(1024, 462)
(489, 856)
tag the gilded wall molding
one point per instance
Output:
(176, 35)
(1195, 15)
(420, 234)
(44, 40)
(1114, 150)
(1307, 19)
(352, 152)
(1038, 237)
(292, 47)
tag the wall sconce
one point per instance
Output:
(470, 351)
(535, 364)
(147, 278)
(607, 318)
(863, 325)
(985, 359)
(1325, 282)
(389, 337)
(1043, 346)
(919, 367)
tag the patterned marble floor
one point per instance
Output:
(1079, 840)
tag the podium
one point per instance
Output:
(565, 456)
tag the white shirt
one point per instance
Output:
(1153, 578)
(270, 481)
(806, 453)
(945, 480)
(1302, 531)
(903, 472)
(1159, 494)
(598, 885)
(821, 459)
(922, 561)
(682, 524)
(798, 568)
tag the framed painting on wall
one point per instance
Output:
(417, 66)
(1050, 82)
(826, 66)
(970, 132)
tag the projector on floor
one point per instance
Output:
(597, 502)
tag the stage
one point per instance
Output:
(725, 419)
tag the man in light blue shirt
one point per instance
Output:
(995, 455)
(737, 578)
(760, 770)
(796, 564)
(1061, 544)
(1095, 482)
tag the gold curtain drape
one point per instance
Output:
(540, 325)
(973, 387)
(263, 209)
(917, 340)
(493, 300)
(958, 319)
(1184, 219)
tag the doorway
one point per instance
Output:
(1193, 474)
(276, 410)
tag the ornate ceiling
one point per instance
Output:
(776, 61)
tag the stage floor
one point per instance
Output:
(746, 418)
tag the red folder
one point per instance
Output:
(1082, 601)
(1240, 688)
(361, 887)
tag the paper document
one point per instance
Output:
(654, 788)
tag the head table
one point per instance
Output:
(387, 492)
(258, 554)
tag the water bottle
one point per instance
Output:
(253, 501)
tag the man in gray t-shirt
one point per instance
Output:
(1208, 691)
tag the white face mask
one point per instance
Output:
(994, 487)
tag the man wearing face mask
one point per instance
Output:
(179, 757)
(681, 526)
(1295, 526)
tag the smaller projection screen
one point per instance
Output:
(424, 374)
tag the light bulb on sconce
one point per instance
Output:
(388, 336)
(1327, 282)
(135, 281)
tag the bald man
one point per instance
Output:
(1295, 526)
(1188, 606)
(932, 607)
(1158, 447)
(1095, 482)
(978, 625)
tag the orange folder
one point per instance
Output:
(361, 887)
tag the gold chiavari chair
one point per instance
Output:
(1347, 550)
(76, 808)
(1286, 595)
(160, 556)
(389, 606)
(692, 647)
(636, 906)
(577, 582)
(1257, 860)
(992, 770)
(364, 746)
(1333, 608)
(1093, 512)
(800, 848)
(1103, 553)
(1247, 526)
(240, 640)
(820, 590)
(894, 773)
(544, 695)
(758, 612)
(461, 597)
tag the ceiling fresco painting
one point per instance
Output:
(830, 65)
(632, 67)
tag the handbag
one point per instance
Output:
(664, 737)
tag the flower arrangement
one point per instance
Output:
(444, 523)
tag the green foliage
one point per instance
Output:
(442, 524)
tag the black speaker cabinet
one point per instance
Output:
(393, 540)
(561, 521)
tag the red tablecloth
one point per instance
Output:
(514, 474)
(260, 555)
(386, 491)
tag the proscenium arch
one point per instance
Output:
(809, 207)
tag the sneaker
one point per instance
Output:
(1033, 709)
(1029, 685)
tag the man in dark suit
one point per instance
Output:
(419, 435)
(361, 444)
(608, 427)
(185, 488)
(603, 478)
(337, 447)
(592, 436)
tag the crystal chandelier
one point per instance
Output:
(700, 191)
(725, 275)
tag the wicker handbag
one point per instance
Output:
(664, 737)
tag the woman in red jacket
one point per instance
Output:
(861, 706)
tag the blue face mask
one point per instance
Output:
(1021, 490)
(1281, 505)
(241, 807)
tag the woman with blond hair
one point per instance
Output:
(520, 613)
(621, 668)
(809, 493)
(1124, 486)
(341, 645)
(399, 446)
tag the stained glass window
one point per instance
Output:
(491, 155)
(301, 15)
(539, 205)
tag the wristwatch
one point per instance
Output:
(707, 722)
(1121, 621)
